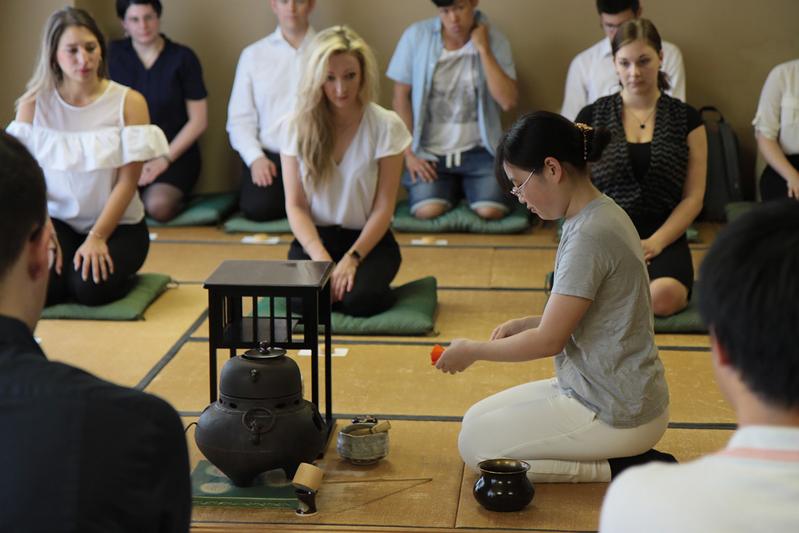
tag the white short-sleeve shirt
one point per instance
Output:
(751, 485)
(346, 198)
(778, 110)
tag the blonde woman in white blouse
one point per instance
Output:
(342, 159)
(777, 130)
(90, 135)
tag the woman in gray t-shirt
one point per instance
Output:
(608, 404)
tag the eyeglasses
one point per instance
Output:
(517, 190)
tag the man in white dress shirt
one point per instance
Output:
(749, 296)
(592, 74)
(263, 93)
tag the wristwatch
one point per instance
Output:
(356, 255)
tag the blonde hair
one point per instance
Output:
(48, 75)
(313, 117)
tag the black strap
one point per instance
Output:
(711, 109)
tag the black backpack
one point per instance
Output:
(723, 165)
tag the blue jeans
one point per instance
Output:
(473, 178)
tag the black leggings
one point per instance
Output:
(772, 185)
(263, 203)
(128, 247)
(370, 293)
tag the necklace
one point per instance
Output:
(642, 123)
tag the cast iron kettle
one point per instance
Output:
(260, 421)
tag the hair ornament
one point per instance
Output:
(584, 129)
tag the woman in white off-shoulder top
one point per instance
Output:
(90, 135)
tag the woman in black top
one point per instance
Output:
(169, 76)
(656, 163)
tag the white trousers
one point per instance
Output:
(563, 440)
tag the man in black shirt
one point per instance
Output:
(76, 453)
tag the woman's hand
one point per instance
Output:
(510, 328)
(793, 187)
(420, 169)
(263, 171)
(343, 277)
(652, 249)
(457, 357)
(93, 257)
(152, 169)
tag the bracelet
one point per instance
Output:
(95, 234)
(168, 159)
(355, 255)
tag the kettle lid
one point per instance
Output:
(264, 351)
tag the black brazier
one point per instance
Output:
(260, 421)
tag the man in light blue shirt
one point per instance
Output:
(453, 73)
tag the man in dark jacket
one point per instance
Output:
(76, 453)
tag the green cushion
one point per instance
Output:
(686, 321)
(736, 209)
(412, 314)
(202, 210)
(148, 287)
(238, 224)
(461, 219)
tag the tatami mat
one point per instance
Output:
(423, 484)
(417, 485)
(452, 266)
(199, 233)
(541, 234)
(399, 380)
(468, 267)
(682, 340)
(463, 313)
(575, 507)
(124, 352)
(196, 261)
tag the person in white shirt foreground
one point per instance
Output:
(748, 300)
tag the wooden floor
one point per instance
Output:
(422, 485)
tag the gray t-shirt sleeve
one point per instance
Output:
(580, 267)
